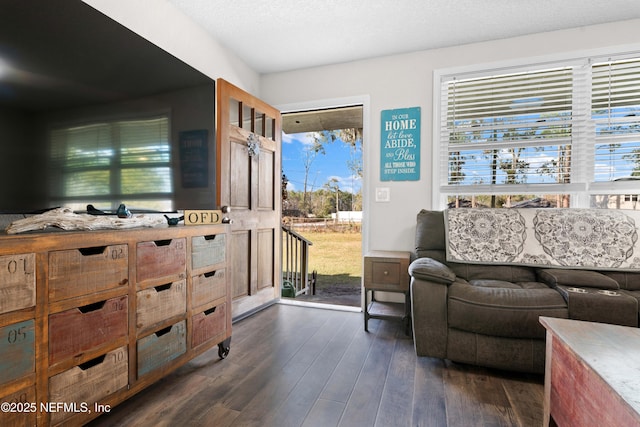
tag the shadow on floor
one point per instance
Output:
(338, 295)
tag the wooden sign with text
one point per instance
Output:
(202, 217)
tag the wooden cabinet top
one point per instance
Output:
(389, 255)
(61, 240)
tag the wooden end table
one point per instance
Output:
(386, 271)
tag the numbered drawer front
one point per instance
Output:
(85, 271)
(88, 383)
(160, 303)
(161, 347)
(208, 324)
(162, 258)
(21, 410)
(208, 287)
(207, 250)
(17, 282)
(17, 350)
(78, 330)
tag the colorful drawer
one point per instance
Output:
(160, 303)
(161, 347)
(208, 324)
(88, 270)
(89, 382)
(207, 251)
(78, 330)
(22, 408)
(17, 350)
(208, 287)
(161, 259)
(17, 282)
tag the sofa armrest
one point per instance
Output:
(430, 282)
(430, 270)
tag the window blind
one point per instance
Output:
(570, 129)
(110, 163)
(507, 129)
(615, 110)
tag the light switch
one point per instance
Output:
(383, 194)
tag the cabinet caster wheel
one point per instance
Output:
(223, 352)
(224, 347)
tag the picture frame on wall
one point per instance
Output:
(400, 144)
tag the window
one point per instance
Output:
(561, 134)
(109, 163)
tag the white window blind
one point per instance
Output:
(615, 109)
(111, 163)
(508, 129)
(570, 129)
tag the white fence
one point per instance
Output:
(347, 216)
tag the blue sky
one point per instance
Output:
(324, 167)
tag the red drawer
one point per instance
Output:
(78, 330)
(208, 324)
(161, 259)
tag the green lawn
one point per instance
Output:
(337, 257)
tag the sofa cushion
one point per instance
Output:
(431, 270)
(509, 273)
(626, 279)
(579, 278)
(500, 309)
(429, 232)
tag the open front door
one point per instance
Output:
(249, 180)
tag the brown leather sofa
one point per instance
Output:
(487, 315)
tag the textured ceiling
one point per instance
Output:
(280, 35)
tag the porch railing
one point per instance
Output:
(295, 261)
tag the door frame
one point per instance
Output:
(335, 103)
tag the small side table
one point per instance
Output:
(386, 271)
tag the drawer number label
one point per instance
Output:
(14, 265)
(117, 253)
(17, 335)
(117, 305)
(118, 356)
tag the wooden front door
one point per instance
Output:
(249, 182)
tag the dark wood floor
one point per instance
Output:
(300, 366)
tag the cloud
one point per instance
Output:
(289, 138)
(301, 138)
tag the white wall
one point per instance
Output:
(407, 81)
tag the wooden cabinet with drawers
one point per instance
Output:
(88, 319)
